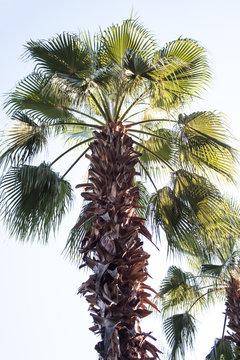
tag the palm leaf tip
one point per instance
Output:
(180, 331)
(34, 200)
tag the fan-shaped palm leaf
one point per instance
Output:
(65, 54)
(182, 72)
(76, 236)
(177, 220)
(179, 330)
(203, 144)
(33, 201)
(42, 97)
(118, 39)
(23, 141)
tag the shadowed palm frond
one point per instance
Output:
(43, 98)
(76, 236)
(180, 333)
(65, 54)
(222, 350)
(33, 201)
(23, 141)
(177, 221)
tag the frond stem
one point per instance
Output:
(200, 297)
(82, 113)
(73, 147)
(75, 162)
(151, 134)
(149, 176)
(132, 105)
(224, 326)
(99, 106)
(104, 103)
(150, 120)
(78, 124)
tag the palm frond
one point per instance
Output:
(41, 97)
(203, 144)
(23, 141)
(181, 290)
(34, 200)
(179, 330)
(118, 39)
(212, 269)
(76, 236)
(177, 221)
(223, 349)
(65, 54)
(213, 212)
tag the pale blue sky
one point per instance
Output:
(40, 315)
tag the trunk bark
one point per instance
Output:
(116, 291)
(233, 311)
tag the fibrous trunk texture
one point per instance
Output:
(233, 310)
(113, 250)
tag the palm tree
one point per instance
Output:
(184, 295)
(117, 96)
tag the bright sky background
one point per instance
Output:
(41, 317)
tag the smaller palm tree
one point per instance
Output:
(184, 295)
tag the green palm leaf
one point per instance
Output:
(65, 54)
(222, 350)
(176, 219)
(34, 200)
(76, 236)
(210, 208)
(179, 330)
(181, 290)
(182, 72)
(41, 97)
(23, 141)
(118, 39)
(203, 144)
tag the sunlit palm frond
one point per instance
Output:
(157, 149)
(34, 200)
(116, 40)
(203, 144)
(180, 333)
(181, 291)
(211, 209)
(23, 141)
(182, 72)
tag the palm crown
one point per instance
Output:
(92, 90)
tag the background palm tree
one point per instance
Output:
(116, 96)
(185, 295)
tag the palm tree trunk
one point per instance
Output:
(233, 311)
(113, 250)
